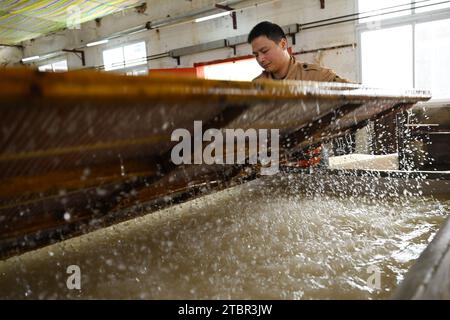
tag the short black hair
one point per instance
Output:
(271, 30)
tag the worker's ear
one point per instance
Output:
(283, 43)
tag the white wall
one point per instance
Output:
(10, 56)
(167, 38)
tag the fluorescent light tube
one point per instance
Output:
(217, 15)
(91, 44)
(30, 58)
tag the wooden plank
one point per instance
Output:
(97, 146)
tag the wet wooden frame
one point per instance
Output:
(84, 150)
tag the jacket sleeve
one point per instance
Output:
(262, 76)
(331, 76)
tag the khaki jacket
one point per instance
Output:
(305, 71)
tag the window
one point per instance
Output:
(390, 49)
(137, 72)
(433, 57)
(135, 54)
(113, 59)
(431, 5)
(59, 66)
(46, 68)
(383, 9)
(412, 50)
(241, 70)
(125, 57)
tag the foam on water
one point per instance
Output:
(261, 240)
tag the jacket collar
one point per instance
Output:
(291, 63)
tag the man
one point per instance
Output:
(270, 48)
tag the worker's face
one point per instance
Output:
(270, 55)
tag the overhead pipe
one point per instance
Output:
(236, 4)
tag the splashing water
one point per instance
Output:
(267, 239)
